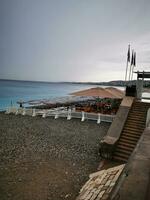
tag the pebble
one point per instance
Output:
(26, 142)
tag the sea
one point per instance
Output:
(12, 91)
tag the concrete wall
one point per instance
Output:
(116, 127)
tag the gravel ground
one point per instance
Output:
(43, 159)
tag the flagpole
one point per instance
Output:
(132, 73)
(128, 60)
(134, 64)
(126, 70)
(131, 66)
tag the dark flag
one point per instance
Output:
(133, 63)
(128, 54)
(128, 61)
(134, 60)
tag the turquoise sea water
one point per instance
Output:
(28, 90)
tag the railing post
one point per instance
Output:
(83, 116)
(56, 115)
(69, 114)
(99, 118)
(24, 111)
(44, 115)
(17, 112)
(33, 113)
(8, 111)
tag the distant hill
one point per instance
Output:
(109, 83)
(113, 83)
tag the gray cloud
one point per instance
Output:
(72, 40)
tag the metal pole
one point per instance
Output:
(132, 73)
(126, 70)
(128, 60)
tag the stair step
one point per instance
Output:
(129, 138)
(138, 120)
(140, 115)
(140, 130)
(126, 144)
(132, 132)
(136, 126)
(135, 130)
(133, 121)
(122, 155)
(124, 151)
(131, 135)
(137, 112)
(136, 117)
(128, 141)
(118, 158)
(125, 147)
(141, 105)
(139, 109)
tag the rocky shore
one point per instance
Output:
(43, 159)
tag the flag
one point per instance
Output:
(128, 54)
(134, 60)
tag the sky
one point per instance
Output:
(72, 40)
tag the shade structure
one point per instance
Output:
(109, 92)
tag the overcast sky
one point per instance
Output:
(72, 40)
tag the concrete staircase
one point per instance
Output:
(132, 131)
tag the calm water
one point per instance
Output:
(27, 90)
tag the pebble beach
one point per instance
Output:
(46, 159)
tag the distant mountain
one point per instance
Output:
(112, 83)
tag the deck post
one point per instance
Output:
(33, 113)
(99, 118)
(56, 115)
(69, 114)
(24, 111)
(44, 115)
(83, 116)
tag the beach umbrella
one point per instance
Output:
(100, 92)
